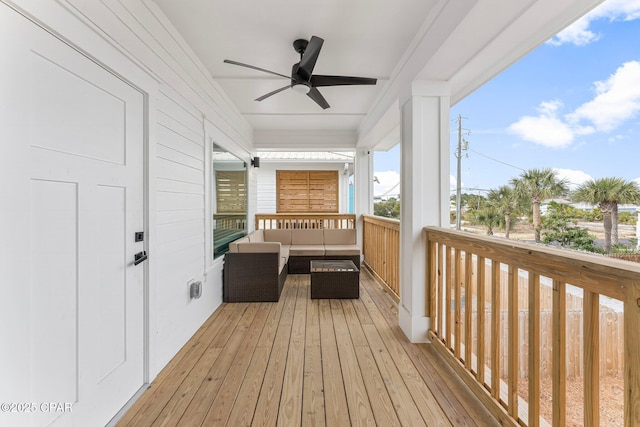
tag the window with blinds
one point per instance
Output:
(231, 191)
(307, 191)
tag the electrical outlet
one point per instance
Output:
(195, 289)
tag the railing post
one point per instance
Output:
(632, 354)
(430, 262)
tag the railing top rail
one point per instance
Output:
(306, 214)
(382, 221)
(606, 276)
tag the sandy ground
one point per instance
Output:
(611, 400)
(524, 231)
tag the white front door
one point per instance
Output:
(71, 201)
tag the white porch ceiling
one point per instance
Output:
(463, 43)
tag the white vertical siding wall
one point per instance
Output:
(137, 42)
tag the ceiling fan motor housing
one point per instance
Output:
(300, 46)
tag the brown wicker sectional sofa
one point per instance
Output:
(257, 265)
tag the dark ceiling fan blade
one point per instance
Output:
(273, 93)
(308, 61)
(228, 61)
(318, 81)
(317, 96)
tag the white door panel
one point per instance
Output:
(71, 199)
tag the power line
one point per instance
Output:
(496, 160)
(510, 165)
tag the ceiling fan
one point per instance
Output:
(302, 78)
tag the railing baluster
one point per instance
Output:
(495, 329)
(450, 281)
(441, 301)
(534, 350)
(456, 297)
(591, 328)
(468, 340)
(559, 362)
(632, 354)
(513, 341)
(480, 318)
(432, 277)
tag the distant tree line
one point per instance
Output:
(523, 197)
(387, 208)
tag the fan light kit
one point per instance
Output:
(302, 79)
(301, 88)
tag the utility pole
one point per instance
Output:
(459, 173)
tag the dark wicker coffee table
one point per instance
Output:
(334, 279)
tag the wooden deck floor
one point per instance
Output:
(303, 362)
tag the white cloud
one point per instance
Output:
(616, 100)
(387, 181)
(573, 177)
(545, 129)
(579, 33)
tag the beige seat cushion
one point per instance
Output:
(284, 251)
(306, 250)
(307, 237)
(333, 250)
(282, 236)
(340, 237)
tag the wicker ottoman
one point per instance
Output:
(334, 279)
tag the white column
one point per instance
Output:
(363, 182)
(424, 170)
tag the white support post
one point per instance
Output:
(424, 196)
(363, 181)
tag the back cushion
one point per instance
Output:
(340, 237)
(256, 236)
(260, 247)
(307, 237)
(233, 246)
(282, 236)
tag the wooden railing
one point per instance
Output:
(381, 247)
(519, 286)
(230, 221)
(304, 220)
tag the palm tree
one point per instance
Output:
(627, 192)
(488, 216)
(539, 184)
(505, 201)
(607, 193)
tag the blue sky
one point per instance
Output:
(572, 104)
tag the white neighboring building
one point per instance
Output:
(270, 162)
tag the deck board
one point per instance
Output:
(303, 362)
